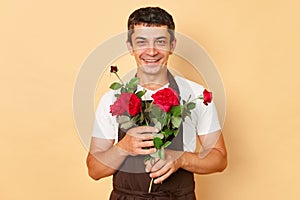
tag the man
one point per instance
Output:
(120, 153)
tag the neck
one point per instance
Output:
(153, 82)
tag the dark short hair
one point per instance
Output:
(150, 16)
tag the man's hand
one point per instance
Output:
(138, 141)
(162, 169)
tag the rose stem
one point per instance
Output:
(119, 78)
(150, 186)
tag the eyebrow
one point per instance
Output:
(140, 38)
(162, 37)
(143, 38)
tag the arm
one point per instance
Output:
(105, 158)
(213, 158)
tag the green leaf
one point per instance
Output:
(130, 90)
(159, 135)
(115, 86)
(176, 110)
(154, 120)
(158, 125)
(191, 105)
(168, 132)
(164, 121)
(168, 119)
(126, 125)
(166, 144)
(140, 93)
(122, 119)
(176, 121)
(163, 118)
(157, 142)
(134, 81)
(123, 90)
(131, 87)
(161, 153)
(156, 112)
(154, 155)
(175, 132)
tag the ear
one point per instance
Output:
(129, 47)
(172, 46)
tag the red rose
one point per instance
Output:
(165, 99)
(127, 102)
(207, 97)
(113, 69)
(116, 108)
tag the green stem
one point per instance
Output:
(200, 97)
(150, 186)
(119, 78)
(147, 123)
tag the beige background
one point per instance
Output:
(255, 45)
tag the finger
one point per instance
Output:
(146, 151)
(142, 136)
(145, 129)
(151, 161)
(160, 172)
(158, 165)
(163, 177)
(146, 144)
(146, 136)
(149, 164)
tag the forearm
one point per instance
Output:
(105, 158)
(106, 163)
(214, 161)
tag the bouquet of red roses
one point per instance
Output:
(164, 112)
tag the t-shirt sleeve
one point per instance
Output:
(105, 125)
(208, 121)
(204, 118)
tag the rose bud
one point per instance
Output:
(113, 69)
(207, 97)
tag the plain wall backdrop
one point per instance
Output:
(254, 44)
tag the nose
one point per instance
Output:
(151, 50)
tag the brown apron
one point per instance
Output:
(131, 182)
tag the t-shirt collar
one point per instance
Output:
(148, 93)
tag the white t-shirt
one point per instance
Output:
(204, 119)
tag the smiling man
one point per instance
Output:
(121, 153)
(151, 47)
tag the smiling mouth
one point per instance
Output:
(151, 60)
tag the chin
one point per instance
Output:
(152, 68)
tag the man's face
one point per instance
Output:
(151, 48)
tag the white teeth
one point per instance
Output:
(151, 61)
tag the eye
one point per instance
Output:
(140, 42)
(161, 42)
